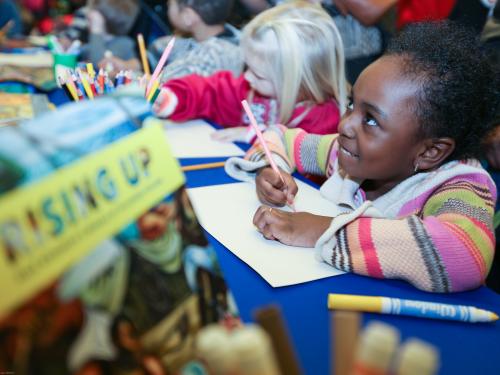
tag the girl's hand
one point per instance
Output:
(236, 134)
(290, 228)
(165, 103)
(271, 189)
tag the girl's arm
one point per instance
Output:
(216, 98)
(292, 149)
(449, 247)
(306, 153)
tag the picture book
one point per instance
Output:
(104, 268)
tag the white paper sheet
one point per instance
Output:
(192, 140)
(226, 212)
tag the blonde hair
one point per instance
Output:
(307, 60)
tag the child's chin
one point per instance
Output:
(346, 167)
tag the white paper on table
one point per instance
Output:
(192, 139)
(226, 212)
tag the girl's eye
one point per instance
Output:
(370, 121)
(350, 104)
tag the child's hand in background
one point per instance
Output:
(271, 189)
(236, 134)
(117, 65)
(165, 103)
(290, 228)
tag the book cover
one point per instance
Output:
(104, 268)
(15, 108)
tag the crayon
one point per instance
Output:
(197, 167)
(421, 309)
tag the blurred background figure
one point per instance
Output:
(10, 19)
(205, 42)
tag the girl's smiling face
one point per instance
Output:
(378, 139)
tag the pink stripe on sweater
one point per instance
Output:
(296, 145)
(365, 240)
(461, 266)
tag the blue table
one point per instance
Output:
(464, 348)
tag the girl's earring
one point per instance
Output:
(415, 170)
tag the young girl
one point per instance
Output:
(415, 205)
(295, 77)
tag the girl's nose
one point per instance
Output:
(347, 126)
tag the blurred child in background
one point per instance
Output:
(212, 44)
(295, 76)
(103, 25)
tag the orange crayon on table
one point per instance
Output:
(197, 167)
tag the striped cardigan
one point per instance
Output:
(434, 229)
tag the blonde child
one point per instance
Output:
(295, 76)
(415, 204)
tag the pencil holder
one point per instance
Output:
(63, 61)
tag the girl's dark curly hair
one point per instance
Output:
(459, 88)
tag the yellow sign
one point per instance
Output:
(50, 225)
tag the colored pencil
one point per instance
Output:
(144, 58)
(160, 65)
(262, 141)
(197, 167)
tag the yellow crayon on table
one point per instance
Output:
(421, 309)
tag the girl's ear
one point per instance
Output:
(434, 154)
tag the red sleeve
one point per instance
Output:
(411, 11)
(216, 98)
(322, 119)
